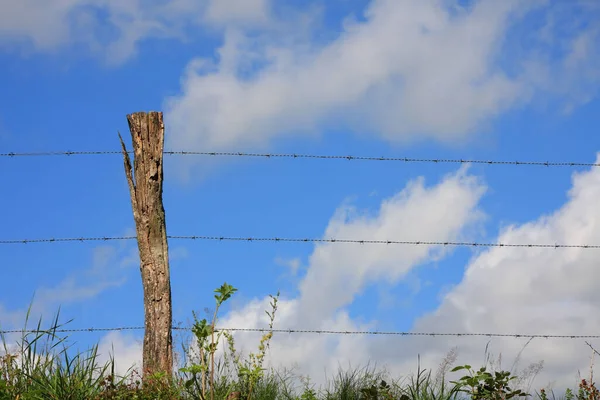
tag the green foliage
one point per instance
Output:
(379, 392)
(250, 371)
(587, 391)
(200, 376)
(482, 384)
(351, 384)
(42, 366)
(422, 386)
(308, 394)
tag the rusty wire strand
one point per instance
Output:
(318, 331)
(311, 240)
(317, 156)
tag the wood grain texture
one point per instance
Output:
(145, 186)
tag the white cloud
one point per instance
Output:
(412, 70)
(114, 28)
(535, 291)
(238, 11)
(337, 273)
(293, 265)
(106, 271)
(572, 33)
(124, 349)
(504, 290)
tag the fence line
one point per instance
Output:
(311, 240)
(319, 332)
(318, 156)
(315, 240)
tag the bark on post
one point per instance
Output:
(145, 187)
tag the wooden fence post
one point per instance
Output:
(145, 187)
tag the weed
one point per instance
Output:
(43, 366)
(483, 385)
(201, 375)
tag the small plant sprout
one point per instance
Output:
(483, 385)
(202, 330)
(253, 369)
(202, 375)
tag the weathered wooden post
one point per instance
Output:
(145, 187)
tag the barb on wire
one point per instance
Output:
(312, 240)
(57, 240)
(395, 333)
(592, 347)
(326, 332)
(64, 330)
(61, 153)
(321, 157)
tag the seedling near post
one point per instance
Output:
(201, 376)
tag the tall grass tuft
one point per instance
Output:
(41, 366)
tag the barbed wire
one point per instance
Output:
(318, 331)
(317, 156)
(61, 153)
(72, 239)
(311, 240)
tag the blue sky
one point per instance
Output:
(515, 80)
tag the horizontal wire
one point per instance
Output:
(317, 156)
(310, 240)
(316, 331)
(61, 153)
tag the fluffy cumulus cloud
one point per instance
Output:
(503, 290)
(337, 273)
(533, 291)
(125, 350)
(114, 28)
(241, 12)
(536, 290)
(407, 70)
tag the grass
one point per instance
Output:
(41, 366)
